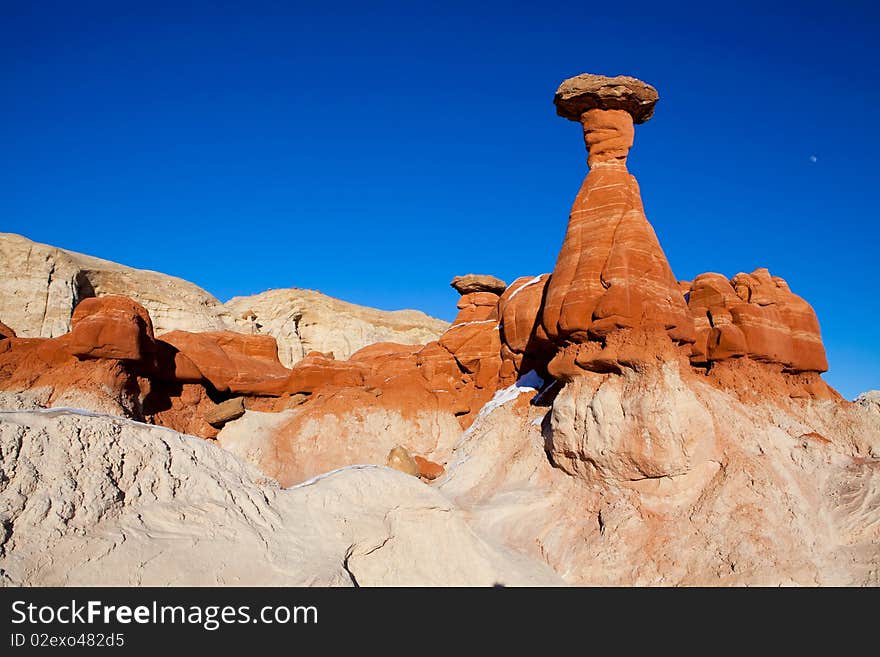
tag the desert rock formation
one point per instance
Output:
(40, 285)
(660, 478)
(586, 92)
(754, 315)
(87, 497)
(303, 321)
(470, 283)
(611, 274)
(604, 423)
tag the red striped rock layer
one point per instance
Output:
(754, 315)
(611, 273)
(111, 361)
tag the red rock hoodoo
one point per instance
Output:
(611, 273)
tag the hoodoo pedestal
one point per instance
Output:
(611, 274)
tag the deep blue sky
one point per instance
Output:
(372, 150)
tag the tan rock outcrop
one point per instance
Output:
(40, 285)
(400, 459)
(471, 283)
(303, 321)
(224, 412)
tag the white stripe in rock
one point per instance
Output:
(536, 279)
(476, 321)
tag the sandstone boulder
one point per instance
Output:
(113, 327)
(587, 92)
(6, 332)
(233, 362)
(400, 459)
(428, 469)
(224, 412)
(470, 283)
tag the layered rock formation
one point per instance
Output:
(526, 345)
(303, 321)
(611, 274)
(603, 424)
(754, 315)
(660, 478)
(94, 366)
(761, 494)
(40, 285)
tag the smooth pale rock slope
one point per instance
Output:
(90, 500)
(304, 320)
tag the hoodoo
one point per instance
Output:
(611, 274)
